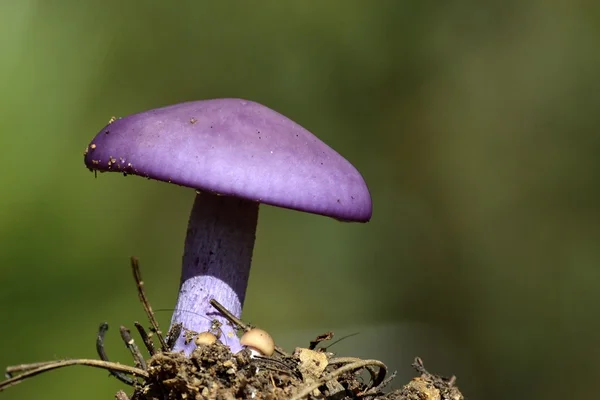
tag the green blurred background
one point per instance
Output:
(474, 124)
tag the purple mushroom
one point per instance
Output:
(236, 154)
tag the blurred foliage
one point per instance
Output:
(475, 125)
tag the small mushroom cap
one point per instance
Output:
(234, 147)
(205, 339)
(259, 340)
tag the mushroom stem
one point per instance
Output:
(216, 265)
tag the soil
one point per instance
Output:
(212, 372)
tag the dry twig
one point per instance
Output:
(338, 372)
(29, 370)
(137, 275)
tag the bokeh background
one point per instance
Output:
(474, 123)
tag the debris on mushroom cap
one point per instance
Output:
(205, 339)
(259, 340)
(239, 148)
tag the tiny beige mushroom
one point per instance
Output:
(259, 342)
(205, 339)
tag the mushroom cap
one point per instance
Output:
(259, 340)
(205, 339)
(234, 147)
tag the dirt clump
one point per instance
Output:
(213, 372)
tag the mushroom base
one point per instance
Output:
(216, 265)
